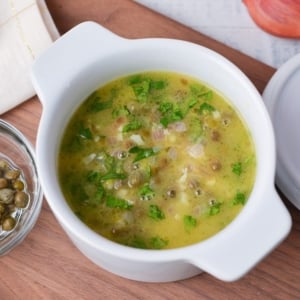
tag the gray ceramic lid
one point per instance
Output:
(282, 98)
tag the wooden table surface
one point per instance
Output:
(47, 265)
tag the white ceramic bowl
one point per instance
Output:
(89, 56)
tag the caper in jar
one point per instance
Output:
(3, 164)
(21, 199)
(2, 209)
(18, 185)
(8, 223)
(13, 194)
(12, 174)
(3, 183)
(6, 196)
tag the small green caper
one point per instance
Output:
(198, 192)
(171, 193)
(11, 208)
(18, 185)
(122, 155)
(21, 199)
(6, 196)
(3, 183)
(8, 223)
(2, 209)
(135, 178)
(3, 164)
(13, 195)
(12, 174)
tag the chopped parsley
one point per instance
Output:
(141, 90)
(142, 153)
(158, 243)
(170, 113)
(146, 192)
(207, 95)
(113, 175)
(155, 212)
(165, 107)
(133, 125)
(100, 193)
(171, 116)
(239, 198)
(123, 111)
(206, 108)
(115, 202)
(96, 104)
(138, 242)
(195, 129)
(201, 92)
(215, 208)
(189, 222)
(85, 133)
(237, 168)
(158, 85)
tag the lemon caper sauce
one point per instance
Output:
(156, 160)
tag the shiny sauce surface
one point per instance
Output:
(156, 160)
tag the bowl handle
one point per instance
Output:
(237, 252)
(84, 44)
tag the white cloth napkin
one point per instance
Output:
(26, 29)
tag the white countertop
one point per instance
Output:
(228, 21)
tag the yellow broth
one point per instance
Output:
(156, 160)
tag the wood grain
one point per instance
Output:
(47, 265)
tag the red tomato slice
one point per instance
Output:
(278, 17)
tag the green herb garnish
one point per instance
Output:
(196, 129)
(155, 212)
(141, 90)
(146, 192)
(98, 106)
(158, 85)
(142, 153)
(189, 222)
(114, 202)
(100, 193)
(78, 192)
(171, 117)
(239, 198)
(201, 92)
(158, 243)
(165, 107)
(237, 168)
(192, 102)
(206, 108)
(172, 113)
(96, 103)
(85, 133)
(138, 242)
(135, 79)
(113, 175)
(207, 95)
(133, 125)
(93, 177)
(123, 111)
(215, 208)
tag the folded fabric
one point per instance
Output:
(26, 29)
